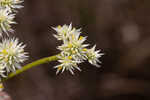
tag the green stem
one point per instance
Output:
(30, 65)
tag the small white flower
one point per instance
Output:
(67, 63)
(6, 19)
(93, 56)
(64, 32)
(73, 50)
(11, 4)
(11, 55)
(74, 47)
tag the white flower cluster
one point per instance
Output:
(11, 51)
(73, 50)
(11, 55)
(7, 14)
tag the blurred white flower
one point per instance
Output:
(93, 56)
(11, 55)
(73, 50)
(2, 71)
(6, 19)
(11, 4)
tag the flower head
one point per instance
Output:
(93, 56)
(64, 32)
(73, 50)
(6, 19)
(11, 55)
(67, 63)
(11, 4)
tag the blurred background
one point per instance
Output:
(121, 28)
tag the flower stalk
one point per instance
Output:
(31, 65)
